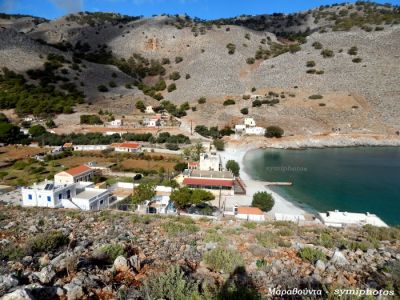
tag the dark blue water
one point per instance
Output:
(363, 179)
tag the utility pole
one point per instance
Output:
(219, 198)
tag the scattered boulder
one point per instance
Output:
(320, 266)
(339, 259)
(121, 264)
(7, 282)
(20, 294)
(46, 275)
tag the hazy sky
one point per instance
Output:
(205, 9)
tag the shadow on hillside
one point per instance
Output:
(239, 286)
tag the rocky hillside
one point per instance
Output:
(65, 254)
(182, 59)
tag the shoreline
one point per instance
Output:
(299, 142)
(282, 205)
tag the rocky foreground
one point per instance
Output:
(64, 254)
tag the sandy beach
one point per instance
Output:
(282, 205)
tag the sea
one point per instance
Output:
(356, 179)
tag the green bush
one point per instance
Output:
(256, 103)
(202, 100)
(112, 251)
(223, 260)
(353, 50)
(310, 64)
(212, 236)
(229, 102)
(173, 284)
(90, 119)
(178, 59)
(171, 87)
(244, 111)
(250, 60)
(315, 97)
(177, 229)
(263, 201)
(274, 131)
(233, 166)
(356, 60)
(219, 144)
(327, 53)
(381, 233)
(249, 225)
(46, 242)
(317, 45)
(174, 76)
(311, 254)
(231, 48)
(267, 239)
(102, 88)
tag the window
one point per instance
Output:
(30, 196)
(48, 198)
(68, 194)
(59, 196)
(101, 201)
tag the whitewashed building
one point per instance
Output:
(249, 122)
(339, 219)
(254, 130)
(91, 147)
(117, 122)
(47, 194)
(210, 161)
(129, 147)
(89, 199)
(249, 213)
(149, 109)
(81, 173)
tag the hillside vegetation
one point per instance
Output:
(58, 254)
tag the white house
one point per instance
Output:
(248, 213)
(81, 173)
(149, 110)
(249, 122)
(88, 199)
(210, 161)
(116, 122)
(240, 128)
(254, 130)
(47, 194)
(338, 219)
(129, 147)
(91, 147)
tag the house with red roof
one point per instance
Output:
(248, 213)
(77, 174)
(129, 147)
(215, 181)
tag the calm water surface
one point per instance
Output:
(363, 179)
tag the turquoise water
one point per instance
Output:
(362, 179)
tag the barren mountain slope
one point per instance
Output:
(361, 95)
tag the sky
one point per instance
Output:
(204, 9)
